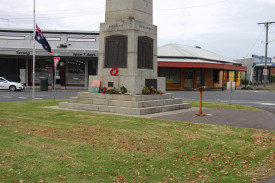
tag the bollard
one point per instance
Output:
(200, 113)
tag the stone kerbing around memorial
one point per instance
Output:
(127, 58)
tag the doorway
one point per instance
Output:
(189, 79)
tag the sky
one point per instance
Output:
(226, 27)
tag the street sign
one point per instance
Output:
(230, 87)
(56, 61)
(54, 54)
(265, 72)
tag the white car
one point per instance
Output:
(9, 85)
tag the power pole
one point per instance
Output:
(266, 48)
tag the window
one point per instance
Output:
(216, 76)
(237, 76)
(82, 39)
(53, 38)
(145, 53)
(173, 75)
(13, 37)
(75, 72)
(189, 74)
(199, 79)
(43, 69)
(116, 52)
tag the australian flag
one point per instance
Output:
(39, 37)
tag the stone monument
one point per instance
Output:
(128, 45)
(128, 42)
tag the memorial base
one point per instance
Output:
(125, 104)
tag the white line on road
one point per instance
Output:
(247, 102)
(267, 103)
(23, 97)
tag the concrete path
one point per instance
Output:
(240, 118)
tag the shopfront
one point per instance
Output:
(78, 52)
(188, 68)
(70, 72)
(258, 72)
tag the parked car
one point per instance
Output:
(10, 85)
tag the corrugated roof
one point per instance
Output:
(186, 60)
(182, 51)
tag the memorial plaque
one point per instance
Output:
(151, 82)
(110, 84)
(145, 52)
(116, 52)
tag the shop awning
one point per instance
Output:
(197, 63)
(261, 64)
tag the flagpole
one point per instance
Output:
(33, 64)
(54, 83)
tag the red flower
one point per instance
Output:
(103, 90)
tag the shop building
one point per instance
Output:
(77, 51)
(255, 68)
(187, 67)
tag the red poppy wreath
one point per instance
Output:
(114, 71)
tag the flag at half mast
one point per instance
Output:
(39, 37)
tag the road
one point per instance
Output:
(259, 99)
(7, 96)
(256, 98)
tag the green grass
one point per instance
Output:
(265, 88)
(45, 145)
(221, 106)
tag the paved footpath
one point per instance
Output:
(240, 118)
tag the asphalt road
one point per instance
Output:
(259, 99)
(7, 96)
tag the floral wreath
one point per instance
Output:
(114, 73)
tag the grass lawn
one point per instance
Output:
(265, 88)
(46, 145)
(221, 106)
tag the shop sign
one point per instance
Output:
(23, 53)
(265, 72)
(84, 55)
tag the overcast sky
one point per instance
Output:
(226, 27)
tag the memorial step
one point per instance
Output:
(123, 103)
(124, 110)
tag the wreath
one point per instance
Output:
(150, 90)
(122, 90)
(112, 71)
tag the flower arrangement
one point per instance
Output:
(150, 90)
(112, 91)
(122, 90)
(103, 90)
